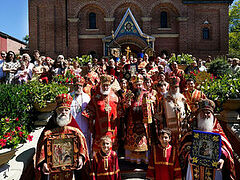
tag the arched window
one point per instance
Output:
(163, 19)
(92, 20)
(205, 32)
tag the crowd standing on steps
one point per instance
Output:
(142, 108)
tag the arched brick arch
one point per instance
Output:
(84, 19)
(98, 5)
(166, 3)
(132, 40)
(122, 2)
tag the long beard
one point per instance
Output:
(175, 95)
(105, 93)
(63, 120)
(78, 92)
(205, 124)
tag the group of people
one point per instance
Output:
(142, 109)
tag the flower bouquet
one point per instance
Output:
(12, 133)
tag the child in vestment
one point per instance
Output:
(105, 162)
(164, 163)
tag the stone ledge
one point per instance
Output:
(23, 158)
(109, 19)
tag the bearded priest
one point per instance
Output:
(102, 113)
(60, 151)
(206, 122)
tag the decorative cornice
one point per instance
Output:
(73, 19)
(206, 1)
(95, 36)
(165, 35)
(146, 19)
(109, 19)
(182, 19)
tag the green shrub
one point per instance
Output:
(219, 66)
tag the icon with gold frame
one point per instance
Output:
(206, 149)
(62, 152)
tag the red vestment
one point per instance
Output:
(42, 153)
(164, 164)
(193, 97)
(105, 167)
(136, 141)
(102, 109)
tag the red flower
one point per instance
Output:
(18, 128)
(67, 80)
(7, 119)
(17, 119)
(3, 142)
(6, 135)
(29, 137)
(20, 134)
(60, 82)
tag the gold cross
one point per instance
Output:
(55, 177)
(128, 51)
(67, 175)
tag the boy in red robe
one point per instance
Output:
(105, 162)
(164, 162)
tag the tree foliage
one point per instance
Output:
(234, 29)
(26, 38)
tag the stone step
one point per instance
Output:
(132, 171)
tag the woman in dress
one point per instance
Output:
(10, 66)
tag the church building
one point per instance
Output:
(77, 27)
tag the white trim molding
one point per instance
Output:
(92, 29)
(95, 36)
(164, 29)
(165, 35)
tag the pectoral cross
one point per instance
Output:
(128, 51)
(107, 107)
(55, 177)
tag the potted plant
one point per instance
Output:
(223, 89)
(219, 67)
(12, 133)
(16, 102)
(83, 61)
(43, 95)
(183, 60)
(68, 79)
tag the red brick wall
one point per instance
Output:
(14, 46)
(48, 25)
(3, 44)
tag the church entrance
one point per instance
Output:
(134, 49)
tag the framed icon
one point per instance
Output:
(133, 69)
(206, 149)
(62, 152)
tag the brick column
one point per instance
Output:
(73, 37)
(147, 25)
(223, 26)
(109, 25)
(183, 34)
